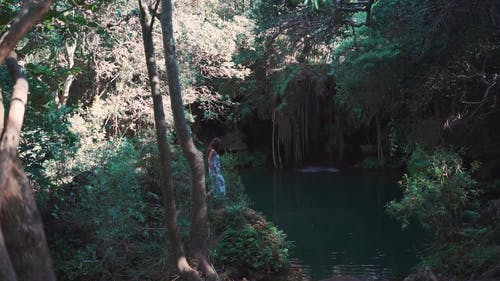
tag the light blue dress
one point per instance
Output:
(218, 182)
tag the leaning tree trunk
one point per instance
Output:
(199, 219)
(167, 186)
(24, 253)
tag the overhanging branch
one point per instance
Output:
(318, 27)
(30, 13)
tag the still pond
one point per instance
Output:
(336, 220)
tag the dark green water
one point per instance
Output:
(337, 220)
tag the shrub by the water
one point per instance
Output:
(260, 249)
(437, 191)
(441, 194)
(247, 243)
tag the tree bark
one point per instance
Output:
(167, 186)
(199, 217)
(24, 254)
(7, 272)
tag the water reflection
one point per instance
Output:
(337, 221)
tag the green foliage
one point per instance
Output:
(111, 228)
(218, 108)
(113, 219)
(242, 159)
(229, 9)
(282, 84)
(370, 163)
(210, 77)
(261, 249)
(247, 242)
(97, 185)
(442, 195)
(365, 73)
(464, 257)
(233, 217)
(403, 72)
(46, 134)
(438, 189)
(316, 4)
(8, 10)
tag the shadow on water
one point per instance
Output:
(336, 220)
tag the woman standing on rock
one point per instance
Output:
(214, 169)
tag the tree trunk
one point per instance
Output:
(24, 254)
(199, 219)
(167, 186)
(70, 53)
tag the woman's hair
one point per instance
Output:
(216, 144)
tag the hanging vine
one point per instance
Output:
(303, 107)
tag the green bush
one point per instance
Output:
(370, 163)
(463, 257)
(260, 249)
(247, 242)
(241, 159)
(232, 217)
(441, 194)
(111, 228)
(437, 191)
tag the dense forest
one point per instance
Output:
(109, 106)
